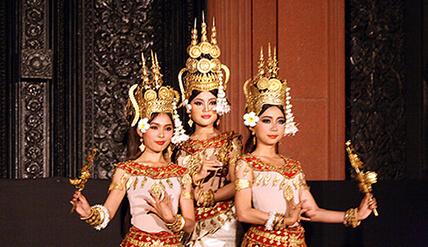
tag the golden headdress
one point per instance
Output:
(204, 71)
(267, 89)
(150, 96)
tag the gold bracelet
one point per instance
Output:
(90, 215)
(351, 218)
(177, 225)
(95, 217)
(241, 184)
(208, 199)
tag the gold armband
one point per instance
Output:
(177, 225)
(115, 186)
(241, 184)
(187, 195)
(351, 218)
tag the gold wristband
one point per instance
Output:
(177, 225)
(208, 198)
(351, 218)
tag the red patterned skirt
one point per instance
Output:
(139, 238)
(258, 236)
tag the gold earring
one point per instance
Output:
(142, 147)
(190, 122)
(254, 138)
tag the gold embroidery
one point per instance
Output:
(143, 182)
(283, 182)
(259, 178)
(266, 179)
(276, 180)
(135, 183)
(288, 192)
(171, 186)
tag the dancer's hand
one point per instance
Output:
(294, 212)
(81, 205)
(367, 205)
(207, 167)
(162, 207)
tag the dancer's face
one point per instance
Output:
(203, 111)
(158, 136)
(271, 126)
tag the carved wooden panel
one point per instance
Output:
(33, 159)
(66, 72)
(33, 137)
(115, 33)
(375, 96)
(36, 57)
(4, 94)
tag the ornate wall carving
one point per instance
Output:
(34, 130)
(115, 34)
(375, 95)
(74, 63)
(4, 93)
(33, 96)
(36, 57)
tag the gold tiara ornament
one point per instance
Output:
(150, 96)
(204, 71)
(267, 89)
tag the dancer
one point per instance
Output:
(209, 155)
(156, 188)
(271, 191)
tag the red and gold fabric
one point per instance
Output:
(138, 169)
(139, 238)
(218, 209)
(258, 236)
(215, 226)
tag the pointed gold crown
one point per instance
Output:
(203, 71)
(265, 88)
(149, 96)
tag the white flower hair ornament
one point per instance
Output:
(179, 132)
(251, 119)
(188, 106)
(143, 125)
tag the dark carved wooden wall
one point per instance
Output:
(384, 96)
(66, 72)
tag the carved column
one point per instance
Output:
(376, 120)
(33, 91)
